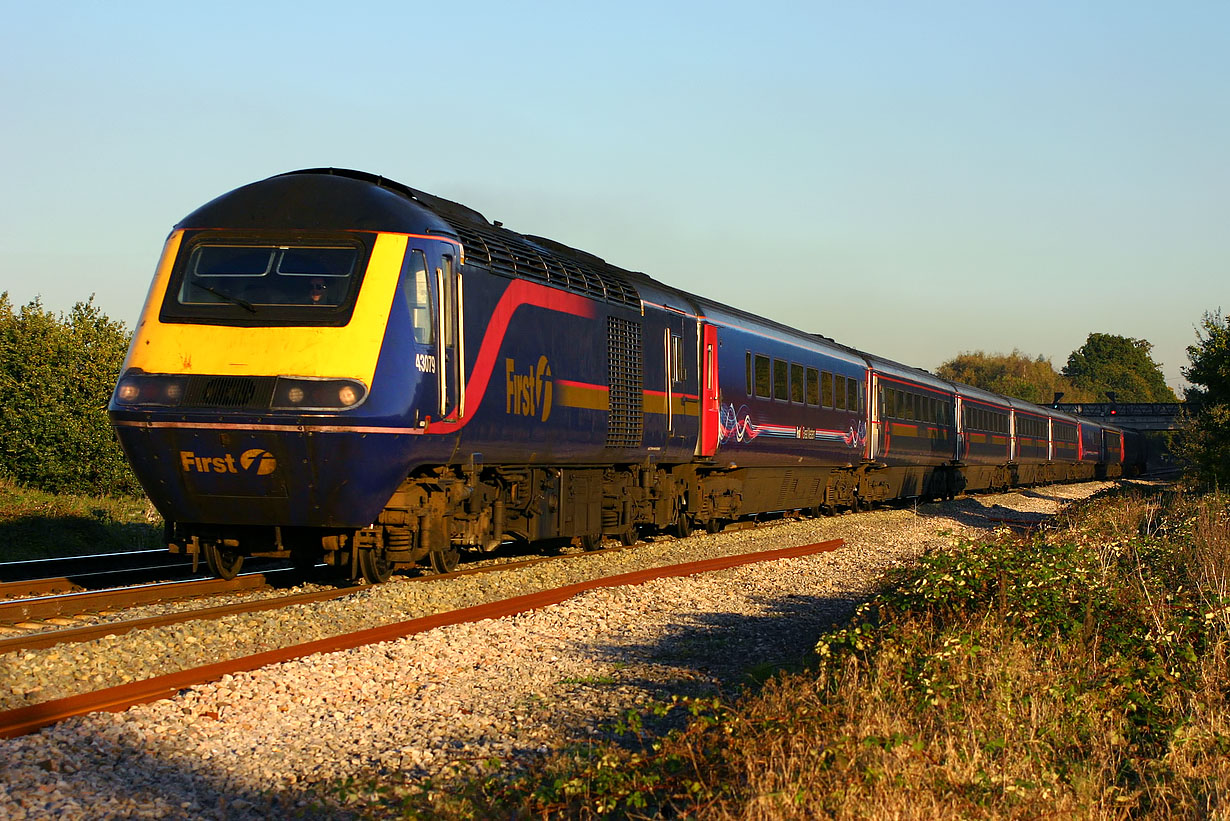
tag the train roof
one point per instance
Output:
(306, 201)
(345, 199)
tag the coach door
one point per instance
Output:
(451, 338)
(710, 410)
(681, 381)
(875, 406)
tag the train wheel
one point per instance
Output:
(590, 541)
(222, 563)
(445, 561)
(713, 525)
(683, 525)
(630, 536)
(375, 565)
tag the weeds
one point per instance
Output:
(35, 524)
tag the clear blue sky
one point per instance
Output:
(913, 178)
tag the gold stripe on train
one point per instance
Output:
(580, 396)
(656, 403)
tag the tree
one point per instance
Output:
(1119, 364)
(1205, 442)
(1015, 374)
(56, 377)
(1209, 373)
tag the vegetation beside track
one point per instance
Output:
(38, 525)
(57, 373)
(1081, 673)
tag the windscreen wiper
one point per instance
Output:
(231, 298)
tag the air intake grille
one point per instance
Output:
(627, 416)
(228, 392)
(507, 253)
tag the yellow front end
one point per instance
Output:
(349, 351)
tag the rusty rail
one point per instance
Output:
(25, 720)
(43, 607)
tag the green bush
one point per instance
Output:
(56, 377)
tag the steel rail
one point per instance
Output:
(42, 607)
(25, 720)
(90, 563)
(89, 632)
(66, 635)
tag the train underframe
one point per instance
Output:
(438, 513)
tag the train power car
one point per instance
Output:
(334, 366)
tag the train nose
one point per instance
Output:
(296, 474)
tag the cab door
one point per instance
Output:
(451, 339)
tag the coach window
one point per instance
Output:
(678, 362)
(781, 378)
(764, 381)
(839, 391)
(749, 373)
(796, 383)
(826, 389)
(418, 298)
(852, 395)
(813, 386)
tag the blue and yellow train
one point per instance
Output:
(331, 365)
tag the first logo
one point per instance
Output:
(258, 460)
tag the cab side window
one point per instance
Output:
(418, 297)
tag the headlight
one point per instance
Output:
(317, 394)
(149, 389)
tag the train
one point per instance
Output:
(333, 367)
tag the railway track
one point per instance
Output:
(62, 611)
(27, 719)
(24, 613)
(43, 576)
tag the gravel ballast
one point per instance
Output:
(268, 741)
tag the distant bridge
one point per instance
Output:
(1136, 415)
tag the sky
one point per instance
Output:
(915, 179)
